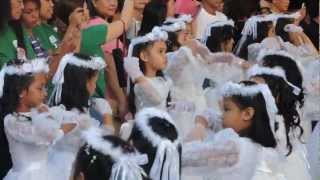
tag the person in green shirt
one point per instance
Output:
(13, 37)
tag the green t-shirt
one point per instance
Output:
(48, 37)
(8, 45)
(92, 39)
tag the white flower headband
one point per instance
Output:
(230, 89)
(186, 18)
(95, 63)
(125, 166)
(292, 28)
(35, 66)
(219, 23)
(268, 52)
(276, 71)
(167, 157)
(155, 35)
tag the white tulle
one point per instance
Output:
(314, 152)
(29, 136)
(62, 155)
(152, 93)
(227, 156)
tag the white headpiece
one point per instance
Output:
(35, 66)
(186, 18)
(276, 71)
(251, 28)
(155, 35)
(166, 162)
(267, 52)
(219, 23)
(230, 89)
(95, 63)
(292, 28)
(126, 165)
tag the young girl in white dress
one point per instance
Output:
(289, 129)
(29, 125)
(246, 148)
(75, 82)
(108, 157)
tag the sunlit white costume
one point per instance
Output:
(30, 133)
(62, 155)
(226, 155)
(296, 165)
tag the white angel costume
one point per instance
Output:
(29, 136)
(296, 165)
(62, 155)
(226, 155)
(314, 152)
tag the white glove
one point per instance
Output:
(182, 106)
(84, 121)
(131, 65)
(101, 106)
(213, 118)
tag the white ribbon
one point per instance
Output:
(166, 163)
(127, 167)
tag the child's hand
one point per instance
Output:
(131, 65)
(182, 106)
(66, 128)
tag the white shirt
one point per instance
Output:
(204, 19)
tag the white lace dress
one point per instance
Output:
(62, 155)
(187, 77)
(227, 156)
(29, 136)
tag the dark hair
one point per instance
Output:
(63, 9)
(5, 13)
(74, 89)
(37, 2)
(136, 53)
(161, 127)
(154, 14)
(281, 23)
(291, 70)
(101, 167)
(239, 10)
(312, 8)
(262, 32)
(286, 102)
(12, 88)
(218, 36)
(172, 42)
(259, 130)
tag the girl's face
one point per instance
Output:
(227, 46)
(140, 4)
(46, 10)
(155, 56)
(106, 8)
(170, 8)
(91, 84)
(272, 31)
(281, 5)
(185, 35)
(36, 93)
(30, 16)
(16, 9)
(234, 117)
(215, 4)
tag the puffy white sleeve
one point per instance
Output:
(41, 130)
(221, 152)
(226, 156)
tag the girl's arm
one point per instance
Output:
(116, 28)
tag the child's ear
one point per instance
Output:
(248, 113)
(23, 94)
(143, 56)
